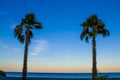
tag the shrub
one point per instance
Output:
(2, 73)
(101, 78)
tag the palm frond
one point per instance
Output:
(99, 30)
(86, 39)
(21, 38)
(100, 24)
(103, 32)
(106, 32)
(82, 35)
(37, 25)
(85, 24)
(18, 30)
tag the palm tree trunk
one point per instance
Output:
(94, 67)
(24, 71)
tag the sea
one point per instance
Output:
(62, 75)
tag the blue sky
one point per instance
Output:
(57, 47)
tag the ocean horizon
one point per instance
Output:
(62, 75)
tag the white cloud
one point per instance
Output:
(17, 49)
(38, 47)
(68, 56)
(3, 45)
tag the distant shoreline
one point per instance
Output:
(34, 78)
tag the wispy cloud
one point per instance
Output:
(68, 56)
(68, 52)
(5, 46)
(17, 49)
(38, 47)
(2, 44)
(11, 48)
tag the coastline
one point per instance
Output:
(38, 78)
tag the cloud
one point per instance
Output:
(3, 45)
(68, 56)
(38, 47)
(17, 49)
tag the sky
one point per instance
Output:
(57, 47)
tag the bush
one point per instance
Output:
(101, 78)
(2, 73)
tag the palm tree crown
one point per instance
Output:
(28, 23)
(92, 27)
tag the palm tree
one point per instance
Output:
(92, 27)
(23, 32)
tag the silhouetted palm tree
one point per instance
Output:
(92, 27)
(23, 32)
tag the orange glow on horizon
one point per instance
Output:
(61, 69)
